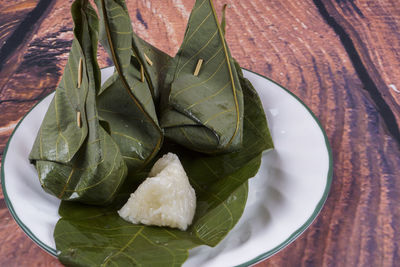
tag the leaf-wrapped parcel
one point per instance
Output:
(119, 133)
(204, 111)
(91, 138)
(97, 236)
(126, 100)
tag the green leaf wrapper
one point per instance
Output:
(78, 163)
(94, 236)
(216, 112)
(204, 112)
(125, 89)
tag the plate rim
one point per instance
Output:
(9, 205)
(321, 202)
(255, 260)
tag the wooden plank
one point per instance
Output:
(290, 42)
(373, 27)
(11, 15)
(13, 49)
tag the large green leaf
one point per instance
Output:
(126, 102)
(95, 236)
(204, 112)
(78, 163)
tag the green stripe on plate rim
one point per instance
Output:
(257, 259)
(8, 202)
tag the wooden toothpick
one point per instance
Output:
(79, 119)
(197, 70)
(148, 59)
(80, 72)
(142, 73)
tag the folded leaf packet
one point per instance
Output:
(96, 142)
(94, 236)
(75, 157)
(126, 100)
(204, 103)
(91, 137)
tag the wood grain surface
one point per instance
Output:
(342, 58)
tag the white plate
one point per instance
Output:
(284, 197)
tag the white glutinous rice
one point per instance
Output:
(166, 198)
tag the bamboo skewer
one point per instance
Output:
(198, 67)
(148, 60)
(79, 119)
(142, 73)
(80, 72)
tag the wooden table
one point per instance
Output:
(342, 58)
